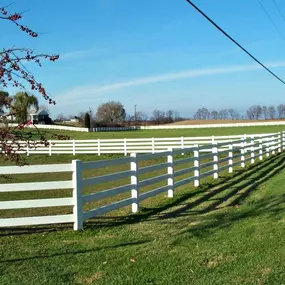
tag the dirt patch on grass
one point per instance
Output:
(214, 262)
(264, 273)
(90, 279)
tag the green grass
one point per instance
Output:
(167, 133)
(228, 231)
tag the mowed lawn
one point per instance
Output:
(162, 133)
(228, 231)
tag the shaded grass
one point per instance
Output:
(228, 231)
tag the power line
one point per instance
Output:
(234, 41)
(281, 14)
(271, 20)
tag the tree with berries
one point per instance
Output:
(13, 73)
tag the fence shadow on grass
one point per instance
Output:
(231, 190)
(74, 252)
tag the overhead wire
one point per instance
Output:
(278, 9)
(271, 20)
(234, 41)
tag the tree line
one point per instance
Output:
(113, 113)
(254, 112)
(224, 114)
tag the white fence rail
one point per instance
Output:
(220, 156)
(54, 127)
(36, 203)
(156, 127)
(128, 146)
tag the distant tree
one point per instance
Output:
(169, 116)
(223, 114)
(281, 111)
(87, 120)
(234, 114)
(254, 112)
(176, 116)
(271, 112)
(141, 117)
(158, 116)
(265, 112)
(22, 105)
(111, 112)
(214, 115)
(202, 114)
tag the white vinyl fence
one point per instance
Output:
(220, 157)
(128, 146)
(54, 127)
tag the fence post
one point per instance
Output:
(242, 151)
(283, 140)
(245, 143)
(196, 166)
(170, 172)
(182, 144)
(273, 145)
(73, 147)
(267, 147)
(260, 148)
(125, 147)
(153, 146)
(27, 149)
(50, 152)
(252, 150)
(215, 159)
(231, 157)
(279, 142)
(77, 195)
(99, 147)
(135, 183)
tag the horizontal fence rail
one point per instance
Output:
(156, 127)
(139, 145)
(169, 170)
(36, 203)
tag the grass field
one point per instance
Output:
(228, 231)
(167, 133)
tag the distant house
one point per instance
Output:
(40, 116)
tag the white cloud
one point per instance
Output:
(79, 54)
(88, 92)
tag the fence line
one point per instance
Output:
(127, 146)
(155, 127)
(202, 126)
(199, 161)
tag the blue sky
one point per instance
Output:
(154, 53)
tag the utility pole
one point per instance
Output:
(135, 117)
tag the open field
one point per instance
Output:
(201, 122)
(228, 231)
(162, 133)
